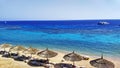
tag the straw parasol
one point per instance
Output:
(18, 48)
(5, 46)
(73, 57)
(102, 63)
(31, 51)
(47, 53)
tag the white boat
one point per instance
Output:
(103, 23)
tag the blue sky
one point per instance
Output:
(59, 9)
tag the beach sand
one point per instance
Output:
(10, 63)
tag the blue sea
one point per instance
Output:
(82, 36)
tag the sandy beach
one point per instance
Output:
(60, 34)
(10, 63)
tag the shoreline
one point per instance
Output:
(81, 52)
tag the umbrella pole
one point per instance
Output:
(4, 49)
(9, 50)
(73, 63)
(47, 59)
(25, 53)
(31, 55)
(18, 52)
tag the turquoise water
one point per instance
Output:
(89, 40)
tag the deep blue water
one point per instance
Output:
(83, 36)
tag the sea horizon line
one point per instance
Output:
(60, 20)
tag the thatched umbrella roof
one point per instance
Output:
(31, 50)
(47, 53)
(18, 48)
(5, 46)
(73, 57)
(102, 63)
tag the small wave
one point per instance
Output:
(12, 27)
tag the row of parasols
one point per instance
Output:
(98, 63)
